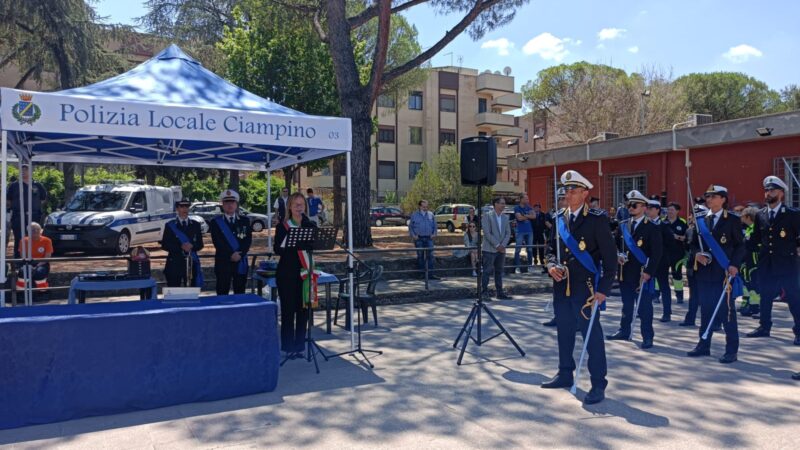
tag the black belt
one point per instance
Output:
(423, 237)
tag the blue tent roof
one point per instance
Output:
(185, 115)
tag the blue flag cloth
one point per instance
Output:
(737, 286)
(582, 256)
(233, 243)
(198, 269)
(650, 286)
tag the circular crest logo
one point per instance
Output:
(25, 111)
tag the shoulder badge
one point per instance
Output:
(639, 243)
(723, 239)
(582, 245)
(595, 212)
(783, 233)
(725, 213)
(678, 228)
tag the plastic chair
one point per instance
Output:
(364, 301)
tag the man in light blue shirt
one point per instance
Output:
(524, 233)
(422, 229)
(315, 206)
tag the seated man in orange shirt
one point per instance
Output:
(42, 248)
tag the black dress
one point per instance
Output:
(294, 317)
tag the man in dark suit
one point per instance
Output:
(579, 280)
(777, 229)
(662, 271)
(640, 247)
(182, 239)
(232, 236)
(718, 229)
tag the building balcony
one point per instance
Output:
(508, 133)
(493, 120)
(507, 102)
(496, 85)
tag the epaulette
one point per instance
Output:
(562, 211)
(701, 214)
(597, 212)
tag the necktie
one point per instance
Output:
(709, 222)
(771, 216)
(633, 227)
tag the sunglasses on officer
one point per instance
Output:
(634, 205)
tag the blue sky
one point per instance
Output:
(760, 39)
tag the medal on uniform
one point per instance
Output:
(723, 239)
(639, 243)
(783, 233)
(582, 245)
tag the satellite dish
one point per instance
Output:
(507, 71)
(497, 72)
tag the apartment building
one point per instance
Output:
(454, 103)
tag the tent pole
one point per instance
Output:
(350, 254)
(21, 221)
(269, 210)
(29, 248)
(3, 217)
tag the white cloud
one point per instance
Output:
(742, 53)
(548, 46)
(502, 45)
(634, 49)
(600, 46)
(610, 33)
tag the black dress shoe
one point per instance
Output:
(559, 381)
(728, 358)
(504, 297)
(595, 395)
(758, 332)
(666, 319)
(686, 324)
(698, 352)
(796, 376)
(647, 343)
(550, 323)
(433, 277)
(618, 336)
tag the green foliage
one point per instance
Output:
(439, 182)
(728, 95)
(100, 175)
(790, 95)
(253, 192)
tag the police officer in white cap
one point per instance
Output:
(662, 272)
(777, 229)
(718, 260)
(582, 263)
(232, 236)
(640, 247)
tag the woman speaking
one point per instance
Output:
(295, 278)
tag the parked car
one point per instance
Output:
(209, 210)
(111, 217)
(203, 224)
(387, 215)
(452, 216)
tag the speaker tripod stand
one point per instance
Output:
(479, 307)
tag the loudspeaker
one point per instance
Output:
(478, 161)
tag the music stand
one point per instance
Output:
(305, 238)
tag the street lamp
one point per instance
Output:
(645, 93)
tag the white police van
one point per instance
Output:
(112, 217)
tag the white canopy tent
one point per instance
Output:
(168, 111)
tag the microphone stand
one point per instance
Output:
(359, 349)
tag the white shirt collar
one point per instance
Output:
(227, 217)
(575, 214)
(639, 220)
(777, 208)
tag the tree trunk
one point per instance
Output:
(338, 171)
(69, 181)
(288, 177)
(359, 176)
(234, 183)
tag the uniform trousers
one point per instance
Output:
(709, 293)
(629, 295)
(227, 274)
(770, 286)
(568, 321)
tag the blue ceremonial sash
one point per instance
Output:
(650, 286)
(737, 286)
(198, 269)
(233, 243)
(582, 256)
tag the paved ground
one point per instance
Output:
(417, 397)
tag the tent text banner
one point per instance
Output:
(44, 112)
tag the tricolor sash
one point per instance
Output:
(307, 273)
(232, 243)
(198, 270)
